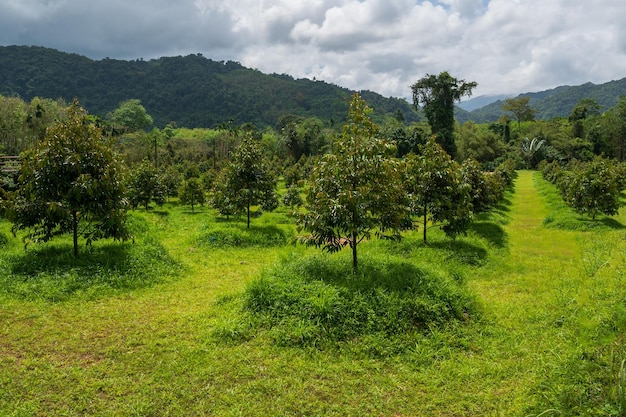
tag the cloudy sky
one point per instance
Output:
(507, 46)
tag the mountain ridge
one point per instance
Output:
(191, 91)
(194, 91)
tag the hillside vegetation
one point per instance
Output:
(191, 91)
(556, 102)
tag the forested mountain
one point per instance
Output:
(552, 103)
(192, 91)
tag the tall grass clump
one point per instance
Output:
(319, 301)
(51, 273)
(238, 235)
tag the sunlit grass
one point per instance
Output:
(167, 338)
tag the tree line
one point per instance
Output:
(345, 183)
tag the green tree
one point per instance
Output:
(479, 143)
(248, 180)
(70, 183)
(436, 189)
(355, 190)
(585, 108)
(292, 197)
(437, 94)
(171, 180)
(192, 193)
(595, 189)
(145, 185)
(520, 109)
(486, 188)
(614, 123)
(130, 116)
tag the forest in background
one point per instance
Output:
(194, 91)
(191, 91)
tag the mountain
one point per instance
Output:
(192, 91)
(556, 102)
(478, 102)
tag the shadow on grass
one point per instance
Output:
(462, 251)
(52, 273)
(491, 232)
(607, 222)
(239, 235)
(566, 219)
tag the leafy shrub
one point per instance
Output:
(319, 301)
(238, 236)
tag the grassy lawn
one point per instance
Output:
(159, 327)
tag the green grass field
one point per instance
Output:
(524, 316)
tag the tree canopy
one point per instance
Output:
(248, 180)
(437, 94)
(70, 183)
(356, 190)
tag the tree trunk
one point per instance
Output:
(425, 220)
(75, 232)
(353, 243)
(248, 213)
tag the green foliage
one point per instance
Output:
(437, 94)
(318, 302)
(520, 109)
(356, 190)
(23, 124)
(531, 151)
(292, 197)
(70, 183)
(130, 116)
(486, 188)
(192, 193)
(248, 180)
(171, 180)
(594, 189)
(479, 143)
(614, 126)
(436, 189)
(191, 90)
(302, 137)
(145, 185)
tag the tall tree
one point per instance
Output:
(520, 108)
(70, 183)
(614, 124)
(355, 190)
(437, 95)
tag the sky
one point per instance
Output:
(506, 46)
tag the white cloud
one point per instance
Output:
(507, 46)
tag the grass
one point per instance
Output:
(167, 326)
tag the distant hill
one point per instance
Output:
(478, 102)
(192, 91)
(556, 102)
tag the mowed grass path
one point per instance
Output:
(152, 351)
